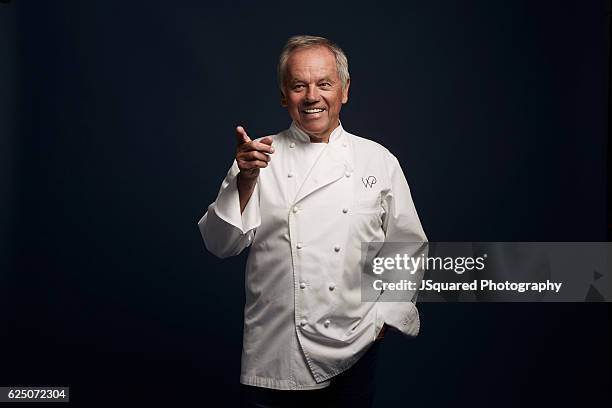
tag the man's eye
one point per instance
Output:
(325, 84)
(299, 86)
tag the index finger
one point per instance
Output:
(241, 135)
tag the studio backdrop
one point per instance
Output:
(117, 127)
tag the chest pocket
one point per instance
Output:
(367, 195)
(366, 217)
(368, 203)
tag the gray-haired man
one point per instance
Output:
(304, 200)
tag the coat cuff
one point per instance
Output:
(227, 205)
(404, 316)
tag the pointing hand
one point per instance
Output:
(252, 155)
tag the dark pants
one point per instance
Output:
(353, 388)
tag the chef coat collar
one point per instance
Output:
(301, 136)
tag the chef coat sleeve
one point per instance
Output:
(403, 232)
(225, 231)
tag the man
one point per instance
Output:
(305, 200)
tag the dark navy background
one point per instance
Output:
(117, 124)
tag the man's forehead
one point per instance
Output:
(305, 74)
(314, 60)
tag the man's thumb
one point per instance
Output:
(266, 140)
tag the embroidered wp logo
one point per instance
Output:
(368, 181)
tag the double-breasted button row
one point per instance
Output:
(331, 286)
(304, 322)
(303, 285)
(295, 209)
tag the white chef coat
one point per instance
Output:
(312, 207)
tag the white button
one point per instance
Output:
(296, 209)
(303, 323)
(290, 174)
(347, 174)
(292, 145)
(336, 248)
(345, 210)
(299, 245)
(326, 323)
(303, 285)
(344, 144)
(332, 286)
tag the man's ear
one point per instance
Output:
(345, 92)
(283, 99)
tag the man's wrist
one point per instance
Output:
(246, 187)
(245, 183)
(382, 331)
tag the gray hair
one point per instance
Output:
(309, 41)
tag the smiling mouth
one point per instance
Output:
(311, 111)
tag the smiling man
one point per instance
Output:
(313, 90)
(305, 200)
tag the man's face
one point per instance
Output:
(313, 91)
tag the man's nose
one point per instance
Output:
(312, 95)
